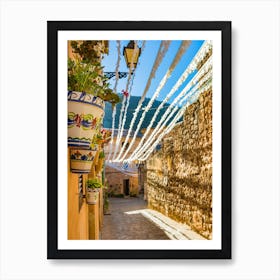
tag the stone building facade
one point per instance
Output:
(179, 176)
(118, 181)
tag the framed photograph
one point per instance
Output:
(139, 149)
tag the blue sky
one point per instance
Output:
(145, 65)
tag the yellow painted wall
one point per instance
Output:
(96, 211)
(86, 222)
(77, 220)
(100, 209)
(93, 221)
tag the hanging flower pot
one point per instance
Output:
(92, 196)
(85, 113)
(93, 187)
(88, 91)
(81, 159)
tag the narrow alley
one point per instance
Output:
(129, 219)
(123, 147)
(120, 224)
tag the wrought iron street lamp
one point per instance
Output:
(131, 55)
(110, 75)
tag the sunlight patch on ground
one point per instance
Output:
(173, 229)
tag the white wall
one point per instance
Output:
(255, 153)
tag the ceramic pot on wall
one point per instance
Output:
(92, 196)
(81, 159)
(85, 113)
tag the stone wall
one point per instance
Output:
(179, 176)
(115, 181)
(114, 178)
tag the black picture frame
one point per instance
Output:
(53, 27)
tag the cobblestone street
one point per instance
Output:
(121, 225)
(130, 219)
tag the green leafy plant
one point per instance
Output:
(99, 137)
(90, 50)
(102, 154)
(93, 184)
(85, 73)
(111, 96)
(96, 140)
(83, 77)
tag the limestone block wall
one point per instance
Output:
(179, 176)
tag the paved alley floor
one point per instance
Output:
(130, 219)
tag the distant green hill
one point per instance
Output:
(107, 121)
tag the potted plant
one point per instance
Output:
(87, 92)
(81, 159)
(93, 186)
(90, 54)
(89, 50)
(110, 96)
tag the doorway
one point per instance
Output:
(126, 186)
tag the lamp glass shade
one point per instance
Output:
(130, 59)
